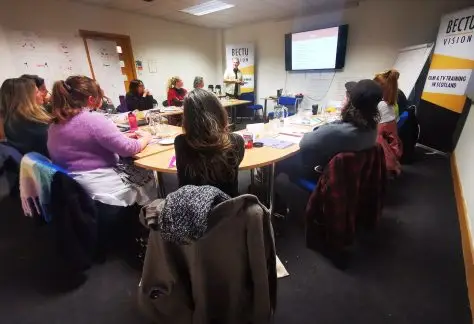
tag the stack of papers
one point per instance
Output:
(275, 143)
(312, 121)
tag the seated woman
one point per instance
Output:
(25, 121)
(138, 98)
(88, 146)
(176, 94)
(207, 153)
(387, 131)
(356, 131)
(41, 85)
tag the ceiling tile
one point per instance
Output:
(245, 11)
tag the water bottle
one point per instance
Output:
(132, 121)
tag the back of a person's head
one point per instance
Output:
(134, 85)
(72, 95)
(388, 80)
(198, 82)
(39, 82)
(18, 100)
(361, 108)
(205, 128)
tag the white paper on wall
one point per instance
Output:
(106, 65)
(50, 55)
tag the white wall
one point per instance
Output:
(180, 49)
(464, 159)
(377, 29)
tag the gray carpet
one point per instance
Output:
(410, 271)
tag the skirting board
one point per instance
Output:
(465, 234)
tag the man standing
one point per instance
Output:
(233, 79)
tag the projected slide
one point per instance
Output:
(315, 49)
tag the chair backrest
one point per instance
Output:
(123, 105)
(11, 152)
(287, 101)
(403, 118)
(210, 88)
(10, 160)
(218, 87)
(249, 96)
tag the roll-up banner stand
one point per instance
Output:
(449, 87)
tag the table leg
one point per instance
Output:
(265, 110)
(271, 187)
(252, 178)
(160, 184)
(233, 111)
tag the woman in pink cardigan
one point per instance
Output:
(89, 146)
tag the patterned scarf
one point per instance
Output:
(36, 175)
(182, 216)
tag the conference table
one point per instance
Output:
(265, 156)
(154, 147)
(232, 104)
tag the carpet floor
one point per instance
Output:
(410, 271)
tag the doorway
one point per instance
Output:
(120, 64)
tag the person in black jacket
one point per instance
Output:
(25, 121)
(139, 98)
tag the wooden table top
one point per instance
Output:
(253, 158)
(157, 148)
(234, 102)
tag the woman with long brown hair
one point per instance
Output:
(25, 121)
(387, 131)
(207, 153)
(88, 145)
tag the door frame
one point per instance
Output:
(85, 34)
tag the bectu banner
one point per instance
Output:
(246, 54)
(450, 83)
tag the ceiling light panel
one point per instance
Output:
(207, 8)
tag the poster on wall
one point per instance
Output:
(450, 82)
(246, 54)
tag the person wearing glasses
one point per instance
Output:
(138, 97)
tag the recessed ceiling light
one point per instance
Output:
(207, 8)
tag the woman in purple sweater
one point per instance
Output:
(88, 146)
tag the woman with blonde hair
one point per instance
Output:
(176, 94)
(25, 121)
(387, 130)
(88, 146)
(207, 153)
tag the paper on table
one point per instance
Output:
(275, 143)
(256, 128)
(280, 268)
(289, 138)
(312, 121)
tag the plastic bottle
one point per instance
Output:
(132, 120)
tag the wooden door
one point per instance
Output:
(124, 51)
